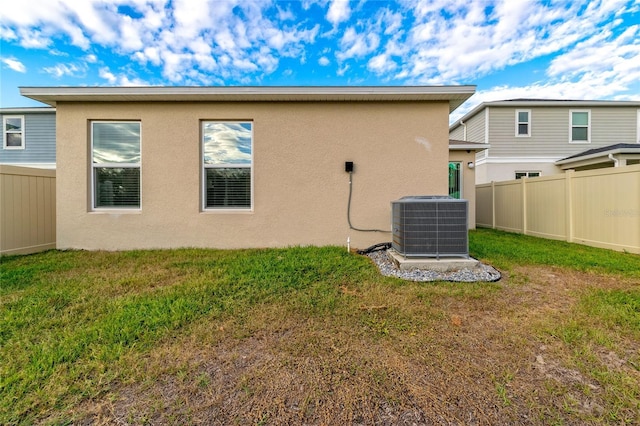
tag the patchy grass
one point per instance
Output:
(317, 336)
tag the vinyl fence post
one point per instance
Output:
(569, 205)
(524, 205)
(493, 204)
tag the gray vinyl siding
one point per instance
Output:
(40, 140)
(457, 133)
(475, 129)
(476, 126)
(613, 125)
(550, 131)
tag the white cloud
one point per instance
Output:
(339, 11)
(381, 64)
(120, 79)
(324, 61)
(354, 44)
(14, 64)
(66, 70)
(108, 75)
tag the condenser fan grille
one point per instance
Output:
(430, 226)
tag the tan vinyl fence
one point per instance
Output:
(600, 208)
(27, 210)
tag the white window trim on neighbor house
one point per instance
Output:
(520, 122)
(527, 174)
(221, 164)
(572, 126)
(95, 207)
(6, 132)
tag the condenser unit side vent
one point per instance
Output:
(430, 226)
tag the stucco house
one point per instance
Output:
(28, 137)
(530, 137)
(234, 167)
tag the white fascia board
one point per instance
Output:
(27, 110)
(520, 160)
(469, 146)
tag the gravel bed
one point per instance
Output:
(479, 273)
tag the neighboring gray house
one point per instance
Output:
(28, 137)
(531, 137)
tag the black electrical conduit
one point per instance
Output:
(349, 211)
(375, 247)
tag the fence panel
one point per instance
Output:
(599, 208)
(546, 207)
(27, 210)
(484, 205)
(606, 209)
(508, 207)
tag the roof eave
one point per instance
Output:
(602, 154)
(469, 146)
(455, 95)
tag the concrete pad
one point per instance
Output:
(443, 264)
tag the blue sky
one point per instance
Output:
(508, 48)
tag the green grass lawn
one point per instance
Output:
(76, 327)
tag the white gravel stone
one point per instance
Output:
(479, 273)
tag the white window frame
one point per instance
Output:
(6, 132)
(527, 173)
(518, 122)
(93, 166)
(204, 167)
(571, 126)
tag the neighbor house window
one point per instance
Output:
(115, 164)
(227, 165)
(523, 122)
(13, 132)
(520, 175)
(455, 180)
(580, 126)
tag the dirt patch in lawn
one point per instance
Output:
(416, 357)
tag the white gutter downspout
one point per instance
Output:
(464, 130)
(614, 159)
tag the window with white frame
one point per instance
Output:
(455, 179)
(13, 132)
(227, 165)
(523, 122)
(520, 175)
(580, 131)
(115, 164)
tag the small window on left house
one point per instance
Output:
(523, 123)
(13, 132)
(115, 164)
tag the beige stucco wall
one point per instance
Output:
(468, 181)
(300, 186)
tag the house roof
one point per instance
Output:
(457, 145)
(528, 103)
(604, 151)
(455, 95)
